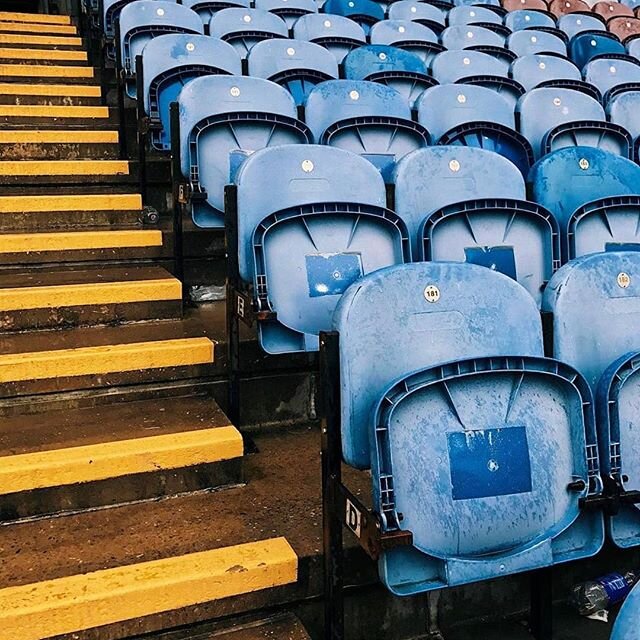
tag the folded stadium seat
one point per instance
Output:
(474, 116)
(624, 109)
(408, 35)
(207, 8)
(494, 4)
(335, 33)
(460, 432)
(609, 9)
(552, 118)
(472, 14)
(143, 20)
(244, 27)
(469, 205)
(397, 68)
(464, 36)
(572, 24)
(366, 118)
(624, 28)
(634, 4)
(612, 76)
(221, 114)
(427, 14)
(514, 5)
(633, 47)
(310, 221)
(297, 65)
(588, 45)
(626, 624)
(592, 193)
(364, 12)
(288, 10)
(168, 63)
(592, 297)
(564, 7)
(528, 19)
(531, 41)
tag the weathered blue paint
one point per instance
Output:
(532, 70)
(338, 34)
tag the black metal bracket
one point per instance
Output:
(612, 498)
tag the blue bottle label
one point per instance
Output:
(616, 586)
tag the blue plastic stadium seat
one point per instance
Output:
(528, 19)
(538, 69)
(574, 23)
(297, 65)
(464, 36)
(584, 47)
(470, 14)
(207, 8)
(592, 193)
(311, 220)
(168, 63)
(427, 14)
(552, 118)
(477, 450)
(626, 626)
(486, 3)
(408, 35)
(451, 66)
(335, 33)
(633, 47)
(594, 302)
(364, 12)
(144, 20)
(288, 10)
(624, 109)
(397, 68)
(468, 205)
(612, 75)
(532, 41)
(366, 118)
(221, 114)
(244, 27)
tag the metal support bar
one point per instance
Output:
(122, 127)
(142, 133)
(176, 181)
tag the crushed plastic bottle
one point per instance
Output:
(594, 597)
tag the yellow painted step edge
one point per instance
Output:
(44, 70)
(42, 111)
(26, 27)
(57, 90)
(74, 603)
(60, 136)
(78, 240)
(103, 359)
(64, 167)
(51, 203)
(52, 41)
(9, 53)
(90, 463)
(89, 294)
(40, 18)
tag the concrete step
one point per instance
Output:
(68, 297)
(40, 56)
(39, 41)
(59, 73)
(78, 459)
(22, 93)
(56, 115)
(38, 18)
(7, 26)
(58, 144)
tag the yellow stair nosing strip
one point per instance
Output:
(58, 136)
(56, 203)
(44, 70)
(9, 53)
(73, 603)
(78, 240)
(53, 41)
(44, 29)
(57, 90)
(89, 294)
(56, 111)
(64, 167)
(91, 463)
(39, 18)
(103, 359)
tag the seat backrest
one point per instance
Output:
(447, 106)
(528, 19)
(608, 73)
(364, 63)
(432, 313)
(221, 114)
(395, 32)
(565, 7)
(460, 3)
(429, 179)
(532, 41)
(295, 64)
(608, 9)
(463, 36)
(207, 8)
(624, 28)
(422, 12)
(575, 23)
(595, 301)
(531, 70)
(624, 109)
(626, 624)
(143, 20)
(543, 109)
(364, 12)
(337, 34)
(587, 45)
(244, 27)
(288, 10)
(311, 220)
(470, 14)
(451, 66)
(566, 179)
(515, 5)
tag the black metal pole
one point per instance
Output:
(122, 128)
(542, 603)
(142, 133)
(178, 181)
(331, 452)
